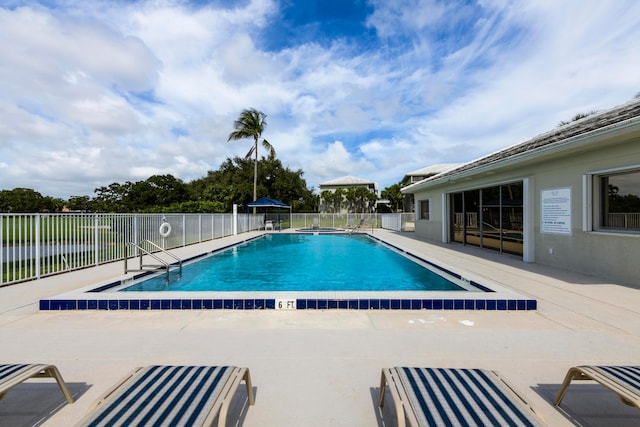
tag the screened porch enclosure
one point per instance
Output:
(489, 217)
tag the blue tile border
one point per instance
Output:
(301, 304)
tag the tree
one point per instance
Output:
(336, 199)
(328, 197)
(577, 117)
(351, 194)
(157, 190)
(111, 198)
(371, 198)
(365, 198)
(51, 204)
(251, 124)
(28, 201)
(232, 184)
(20, 200)
(282, 183)
(191, 206)
(394, 196)
(79, 203)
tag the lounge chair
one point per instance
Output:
(437, 397)
(170, 395)
(357, 226)
(622, 380)
(14, 374)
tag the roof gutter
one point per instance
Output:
(573, 142)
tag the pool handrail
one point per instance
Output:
(163, 264)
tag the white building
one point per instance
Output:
(427, 172)
(345, 205)
(569, 198)
(419, 175)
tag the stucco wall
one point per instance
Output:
(609, 255)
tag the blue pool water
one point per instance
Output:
(303, 262)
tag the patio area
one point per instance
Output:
(319, 368)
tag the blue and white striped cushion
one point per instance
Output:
(163, 396)
(8, 371)
(461, 397)
(627, 376)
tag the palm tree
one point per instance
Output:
(327, 198)
(394, 195)
(338, 194)
(332, 199)
(351, 194)
(251, 124)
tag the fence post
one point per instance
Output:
(2, 246)
(235, 219)
(135, 232)
(96, 245)
(37, 243)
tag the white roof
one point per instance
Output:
(434, 169)
(587, 129)
(348, 180)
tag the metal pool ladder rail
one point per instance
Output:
(163, 264)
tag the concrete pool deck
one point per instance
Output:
(319, 368)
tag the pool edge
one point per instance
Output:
(402, 304)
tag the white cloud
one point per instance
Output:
(391, 18)
(561, 69)
(336, 161)
(102, 92)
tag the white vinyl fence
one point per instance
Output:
(399, 222)
(391, 221)
(40, 245)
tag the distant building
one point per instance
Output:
(429, 171)
(568, 198)
(419, 175)
(345, 205)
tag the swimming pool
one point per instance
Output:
(485, 296)
(304, 262)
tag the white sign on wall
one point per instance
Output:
(555, 216)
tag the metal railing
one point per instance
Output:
(331, 220)
(40, 245)
(623, 220)
(141, 251)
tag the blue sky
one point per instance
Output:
(96, 92)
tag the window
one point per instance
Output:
(620, 201)
(424, 210)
